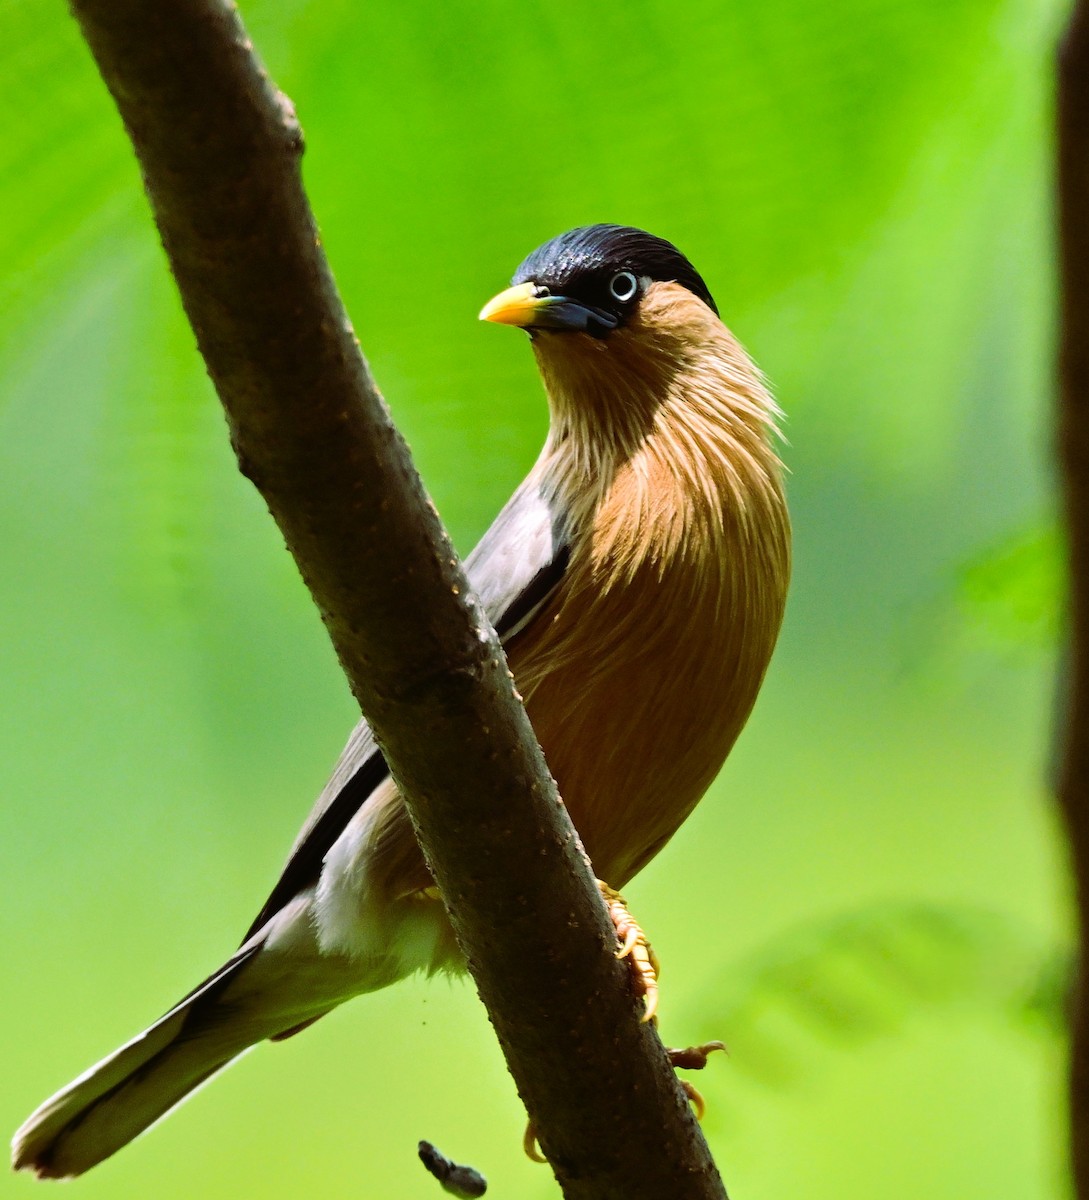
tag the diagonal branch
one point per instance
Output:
(219, 148)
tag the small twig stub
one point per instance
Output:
(694, 1058)
(456, 1179)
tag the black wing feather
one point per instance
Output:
(533, 596)
(304, 865)
(516, 567)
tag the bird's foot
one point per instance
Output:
(635, 948)
(693, 1058)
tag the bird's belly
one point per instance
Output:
(630, 770)
(634, 722)
(635, 736)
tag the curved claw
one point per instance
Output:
(695, 1099)
(649, 977)
(529, 1144)
(630, 941)
(635, 948)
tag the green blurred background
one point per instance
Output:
(871, 906)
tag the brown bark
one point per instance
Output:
(219, 148)
(1073, 181)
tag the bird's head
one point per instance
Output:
(592, 280)
(628, 341)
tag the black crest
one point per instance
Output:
(582, 262)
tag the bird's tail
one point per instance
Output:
(126, 1093)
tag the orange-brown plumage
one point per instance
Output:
(644, 665)
(638, 578)
(643, 668)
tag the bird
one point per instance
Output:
(637, 579)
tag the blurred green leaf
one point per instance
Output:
(861, 975)
(864, 184)
(1014, 589)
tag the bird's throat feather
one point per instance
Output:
(663, 443)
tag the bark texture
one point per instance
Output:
(220, 149)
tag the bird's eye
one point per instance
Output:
(540, 291)
(623, 286)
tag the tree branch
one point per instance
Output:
(1073, 420)
(219, 148)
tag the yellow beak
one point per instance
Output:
(534, 307)
(516, 306)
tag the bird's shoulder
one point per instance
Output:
(521, 560)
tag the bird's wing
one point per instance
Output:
(519, 563)
(515, 568)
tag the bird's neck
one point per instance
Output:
(667, 421)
